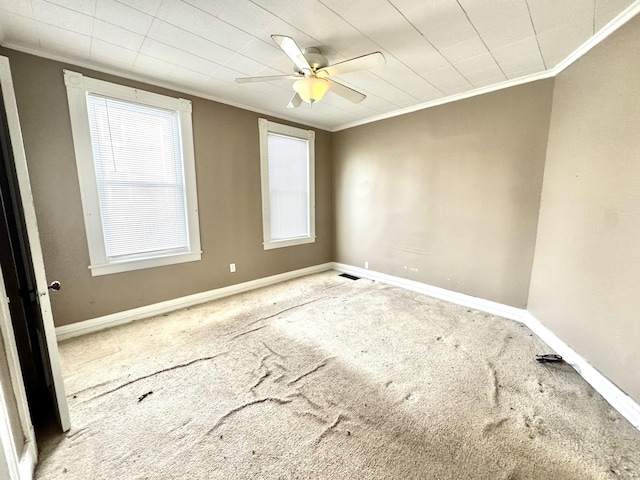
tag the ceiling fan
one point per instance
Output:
(312, 71)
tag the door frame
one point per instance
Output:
(28, 207)
(20, 459)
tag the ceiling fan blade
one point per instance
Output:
(295, 101)
(364, 62)
(291, 48)
(267, 78)
(346, 92)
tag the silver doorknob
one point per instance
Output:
(55, 285)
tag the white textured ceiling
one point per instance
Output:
(434, 48)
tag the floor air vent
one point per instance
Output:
(350, 277)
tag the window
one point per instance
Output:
(134, 155)
(288, 198)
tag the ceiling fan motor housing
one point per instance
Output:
(314, 58)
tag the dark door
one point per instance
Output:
(19, 279)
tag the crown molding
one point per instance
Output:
(449, 99)
(624, 16)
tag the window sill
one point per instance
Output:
(288, 242)
(139, 264)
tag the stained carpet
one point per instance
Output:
(325, 377)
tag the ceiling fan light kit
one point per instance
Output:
(311, 89)
(312, 69)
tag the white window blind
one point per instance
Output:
(288, 186)
(140, 178)
(287, 166)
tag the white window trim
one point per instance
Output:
(78, 86)
(265, 127)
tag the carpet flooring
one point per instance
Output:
(325, 377)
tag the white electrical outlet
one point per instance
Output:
(232, 267)
(366, 265)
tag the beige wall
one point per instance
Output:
(586, 277)
(447, 196)
(228, 177)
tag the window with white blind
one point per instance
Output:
(287, 162)
(134, 154)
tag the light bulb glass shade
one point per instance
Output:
(311, 89)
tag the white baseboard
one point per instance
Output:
(27, 464)
(624, 404)
(481, 304)
(100, 323)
